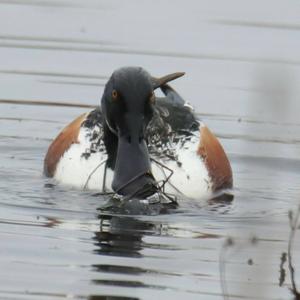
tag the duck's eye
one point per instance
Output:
(152, 98)
(114, 95)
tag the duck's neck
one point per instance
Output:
(111, 145)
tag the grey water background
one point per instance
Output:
(242, 64)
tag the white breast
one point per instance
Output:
(190, 176)
(76, 170)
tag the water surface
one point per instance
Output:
(242, 64)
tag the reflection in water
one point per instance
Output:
(221, 203)
(121, 236)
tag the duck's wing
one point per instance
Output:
(175, 111)
(68, 136)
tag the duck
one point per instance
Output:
(136, 143)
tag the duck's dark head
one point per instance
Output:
(127, 106)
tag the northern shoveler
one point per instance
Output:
(137, 143)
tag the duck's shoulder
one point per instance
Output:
(179, 116)
(90, 122)
(93, 119)
(174, 112)
(172, 119)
